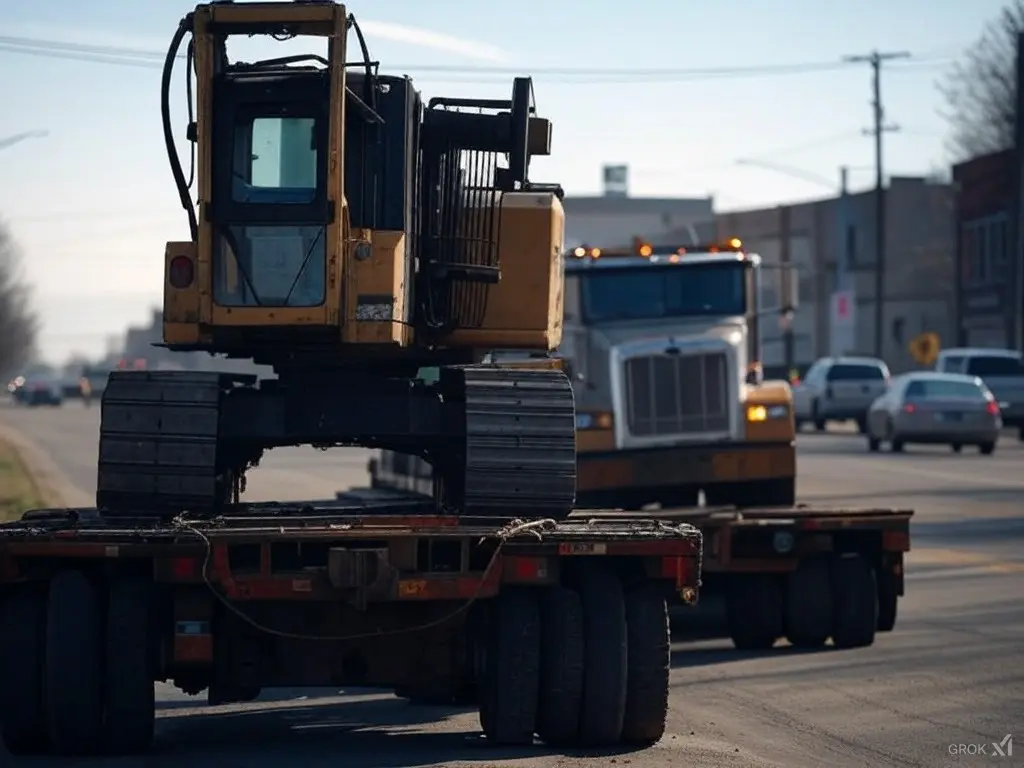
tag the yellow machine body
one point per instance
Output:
(369, 281)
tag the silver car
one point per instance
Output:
(929, 407)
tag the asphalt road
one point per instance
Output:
(951, 674)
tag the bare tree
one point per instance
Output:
(981, 90)
(19, 323)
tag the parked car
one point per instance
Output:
(40, 390)
(1002, 370)
(839, 389)
(931, 407)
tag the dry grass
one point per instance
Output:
(18, 491)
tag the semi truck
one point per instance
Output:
(663, 347)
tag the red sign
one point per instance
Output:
(842, 306)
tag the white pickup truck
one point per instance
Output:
(1002, 370)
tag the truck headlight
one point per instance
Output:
(767, 412)
(593, 420)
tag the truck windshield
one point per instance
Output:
(648, 292)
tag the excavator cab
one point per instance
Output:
(348, 234)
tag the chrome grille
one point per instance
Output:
(677, 394)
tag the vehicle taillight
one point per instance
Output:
(909, 408)
(181, 272)
(992, 407)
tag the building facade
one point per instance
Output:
(612, 221)
(919, 284)
(986, 295)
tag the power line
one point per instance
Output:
(875, 59)
(134, 57)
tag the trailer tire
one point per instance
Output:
(22, 639)
(855, 601)
(605, 658)
(888, 600)
(561, 666)
(808, 604)
(648, 654)
(129, 694)
(73, 669)
(754, 611)
(509, 695)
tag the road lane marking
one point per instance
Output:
(899, 468)
(962, 558)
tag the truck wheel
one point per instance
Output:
(22, 638)
(129, 694)
(508, 706)
(862, 425)
(648, 661)
(808, 609)
(987, 449)
(605, 662)
(561, 666)
(1020, 433)
(855, 601)
(73, 678)
(888, 600)
(754, 611)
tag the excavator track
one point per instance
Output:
(520, 441)
(159, 448)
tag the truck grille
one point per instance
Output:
(677, 394)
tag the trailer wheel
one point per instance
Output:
(73, 676)
(561, 666)
(22, 638)
(508, 706)
(855, 601)
(888, 600)
(754, 611)
(129, 695)
(605, 659)
(808, 602)
(648, 653)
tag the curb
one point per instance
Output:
(52, 483)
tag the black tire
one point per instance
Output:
(73, 669)
(509, 695)
(874, 444)
(129, 695)
(862, 425)
(888, 600)
(605, 658)
(897, 446)
(956, 447)
(819, 423)
(808, 604)
(22, 638)
(987, 449)
(562, 652)
(855, 602)
(754, 611)
(1020, 433)
(648, 654)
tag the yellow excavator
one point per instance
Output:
(370, 247)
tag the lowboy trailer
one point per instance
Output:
(554, 628)
(805, 573)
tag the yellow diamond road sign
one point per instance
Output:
(925, 348)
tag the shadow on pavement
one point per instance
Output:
(373, 734)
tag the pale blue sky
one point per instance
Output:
(93, 202)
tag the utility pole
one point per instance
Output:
(875, 59)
